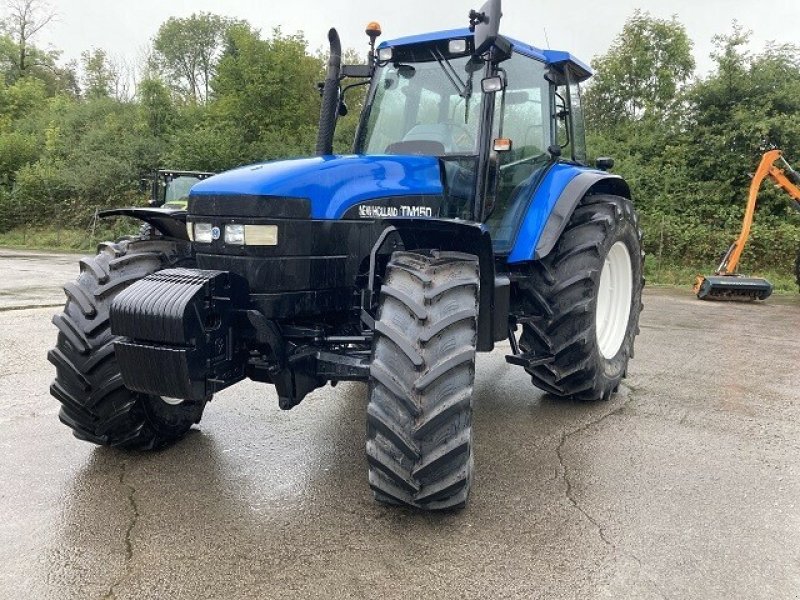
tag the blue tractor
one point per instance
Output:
(466, 215)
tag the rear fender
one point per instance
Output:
(555, 200)
(169, 222)
(470, 238)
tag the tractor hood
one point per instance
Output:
(332, 183)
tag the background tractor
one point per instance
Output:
(170, 188)
(466, 215)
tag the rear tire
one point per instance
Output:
(574, 310)
(95, 403)
(419, 417)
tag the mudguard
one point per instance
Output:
(554, 201)
(169, 222)
(471, 238)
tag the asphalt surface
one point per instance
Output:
(685, 485)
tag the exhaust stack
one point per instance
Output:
(330, 96)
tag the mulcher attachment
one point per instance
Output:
(732, 287)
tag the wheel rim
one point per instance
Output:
(614, 300)
(172, 401)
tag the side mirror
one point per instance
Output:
(604, 163)
(485, 24)
(490, 85)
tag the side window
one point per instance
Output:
(561, 116)
(578, 127)
(569, 123)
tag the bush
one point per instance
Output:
(685, 240)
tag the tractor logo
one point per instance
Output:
(215, 233)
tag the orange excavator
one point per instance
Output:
(726, 283)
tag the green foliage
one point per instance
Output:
(98, 73)
(643, 73)
(62, 157)
(688, 157)
(188, 49)
(157, 110)
(17, 149)
(24, 97)
(266, 90)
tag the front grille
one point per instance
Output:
(274, 207)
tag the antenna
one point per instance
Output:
(546, 39)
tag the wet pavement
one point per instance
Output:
(29, 279)
(685, 485)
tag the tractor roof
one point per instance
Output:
(551, 57)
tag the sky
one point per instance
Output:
(585, 28)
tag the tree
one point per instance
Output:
(749, 102)
(156, 105)
(267, 90)
(188, 50)
(647, 66)
(26, 19)
(98, 73)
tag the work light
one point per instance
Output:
(457, 46)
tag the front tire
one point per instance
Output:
(95, 403)
(419, 417)
(582, 301)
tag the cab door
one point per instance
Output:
(522, 116)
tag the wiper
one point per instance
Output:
(464, 89)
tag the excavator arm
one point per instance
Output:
(726, 283)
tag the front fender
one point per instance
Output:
(470, 238)
(169, 222)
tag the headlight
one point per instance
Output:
(202, 233)
(234, 234)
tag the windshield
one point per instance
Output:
(178, 188)
(424, 107)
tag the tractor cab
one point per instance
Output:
(494, 121)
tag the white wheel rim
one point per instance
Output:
(614, 300)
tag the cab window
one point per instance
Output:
(568, 112)
(576, 113)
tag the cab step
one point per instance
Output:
(529, 359)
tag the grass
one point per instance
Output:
(61, 240)
(80, 240)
